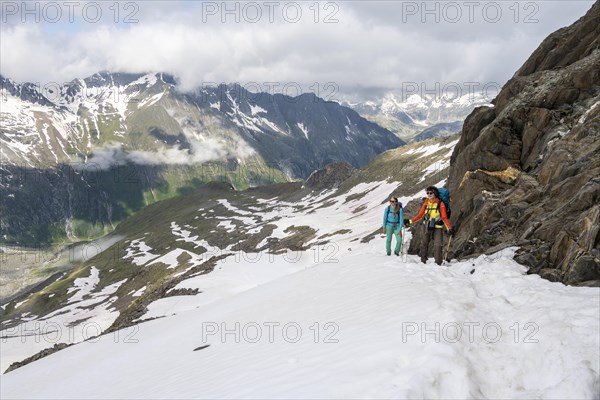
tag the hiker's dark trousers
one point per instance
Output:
(437, 236)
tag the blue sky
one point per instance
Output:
(363, 47)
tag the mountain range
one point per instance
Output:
(417, 117)
(79, 157)
(151, 122)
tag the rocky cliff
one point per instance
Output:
(526, 172)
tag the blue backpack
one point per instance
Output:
(444, 195)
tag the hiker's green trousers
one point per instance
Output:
(393, 230)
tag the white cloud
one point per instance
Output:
(210, 149)
(374, 44)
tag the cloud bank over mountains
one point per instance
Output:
(359, 46)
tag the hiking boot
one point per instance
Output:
(389, 254)
(424, 260)
(397, 253)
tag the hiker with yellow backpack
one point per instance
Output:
(435, 216)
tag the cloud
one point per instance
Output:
(372, 44)
(208, 150)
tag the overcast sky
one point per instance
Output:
(360, 47)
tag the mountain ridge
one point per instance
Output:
(157, 142)
(118, 96)
(416, 117)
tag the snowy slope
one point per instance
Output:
(349, 329)
(341, 320)
(191, 239)
(50, 124)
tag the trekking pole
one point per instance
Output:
(447, 250)
(403, 233)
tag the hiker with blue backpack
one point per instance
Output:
(435, 213)
(392, 223)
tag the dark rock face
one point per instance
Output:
(42, 202)
(566, 46)
(527, 171)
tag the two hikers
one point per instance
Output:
(435, 216)
(392, 223)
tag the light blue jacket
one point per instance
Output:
(388, 216)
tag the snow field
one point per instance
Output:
(347, 330)
(340, 320)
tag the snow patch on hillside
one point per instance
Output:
(254, 109)
(139, 252)
(84, 286)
